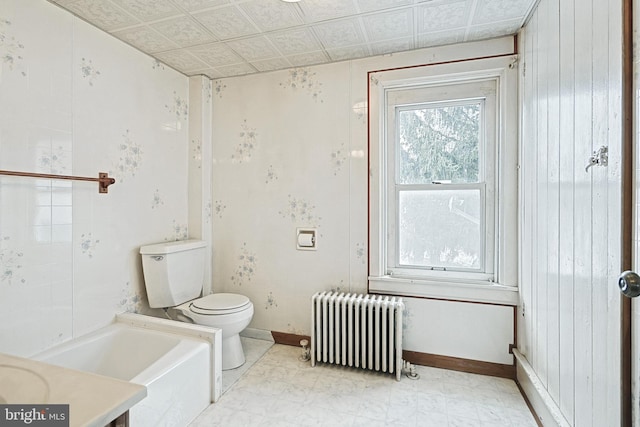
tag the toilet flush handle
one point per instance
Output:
(157, 257)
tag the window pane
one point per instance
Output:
(439, 143)
(440, 229)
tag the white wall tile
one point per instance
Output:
(80, 102)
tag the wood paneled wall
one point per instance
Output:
(570, 92)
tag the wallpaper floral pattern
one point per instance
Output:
(54, 160)
(89, 72)
(302, 180)
(301, 212)
(88, 244)
(305, 80)
(179, 107)
(272, 175)
(179, 232)
(10, 263)
(246, 268)
(196, 150)
(219, 208)
(338, 159)
(248, 143)
(77, 250)
(11, 49)
(130, 157)
(156, 201)
(131, 300)
(218, 87)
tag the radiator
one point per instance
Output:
(361, 331)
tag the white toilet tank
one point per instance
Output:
(173, 271)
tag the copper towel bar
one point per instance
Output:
(103, 179)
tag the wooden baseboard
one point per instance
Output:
(458, 364)
(425, 359)
(289, 339)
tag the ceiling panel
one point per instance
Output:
(254, 48)
(102, 14)
(270, 15)
(226, 23)
(145, 39)
(222, 38)
(389, 25)
(184, 31)
(148, 10)
(334, 34)
(438, 16)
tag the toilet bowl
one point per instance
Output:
(229, 312)
(173, 277)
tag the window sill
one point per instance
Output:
(470, 292)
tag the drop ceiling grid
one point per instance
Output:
(222, 38)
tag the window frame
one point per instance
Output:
(484, 91)
(499, 283)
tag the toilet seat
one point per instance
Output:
(219, 304)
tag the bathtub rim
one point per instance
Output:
(213, 336)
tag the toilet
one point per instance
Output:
(173, 277)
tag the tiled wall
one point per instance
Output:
(73, 100)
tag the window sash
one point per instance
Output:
(394, 263)
(403, 98)
(443, 104)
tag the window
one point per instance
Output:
(438, 195)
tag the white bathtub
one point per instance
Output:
(178, 369)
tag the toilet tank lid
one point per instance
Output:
(170, 247)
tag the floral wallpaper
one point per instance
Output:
(179, 107)
(301, 212)
(272, 175)
(304, 79)
(11, 49)
(247, 145)
(10, 263)
(338, 159)
(196, 150)
(89, 72)
(290, 167)
(71, 251)
(219, 208)
(54, 160)
(218, 88)
(130, 157)
(88, 244)
(179, 232)
(246, 267)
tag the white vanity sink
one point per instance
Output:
(22, 385)
(94, 400)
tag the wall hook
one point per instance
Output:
(600, 157)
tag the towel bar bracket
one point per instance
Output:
(103, 180)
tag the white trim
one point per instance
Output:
(505, 233)
(469, 291)
(546, 409)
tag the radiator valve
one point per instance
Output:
(306, 356)
(410, 371)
